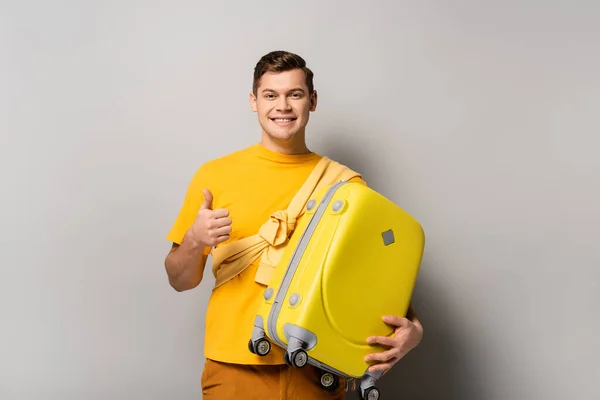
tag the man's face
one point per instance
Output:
(283, 104)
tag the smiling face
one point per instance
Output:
(283, 103)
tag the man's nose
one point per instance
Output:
(283, 103)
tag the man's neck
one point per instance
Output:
(297, 146)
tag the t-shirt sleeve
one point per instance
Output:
(191, 205)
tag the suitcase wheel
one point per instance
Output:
(371, 393)
(329, 381)
(298, 358)
(262, 347)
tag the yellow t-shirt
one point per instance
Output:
(250, 183)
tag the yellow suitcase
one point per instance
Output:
(353, 258)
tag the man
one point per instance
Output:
(228, 201)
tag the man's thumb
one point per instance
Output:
(208, 199)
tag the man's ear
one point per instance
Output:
(313, 100)
(253, 102)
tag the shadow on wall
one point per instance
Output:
(435, 369)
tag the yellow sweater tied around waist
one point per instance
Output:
(269, 243)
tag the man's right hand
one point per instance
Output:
(211, 227)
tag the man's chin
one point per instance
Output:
(281, 136)
(280, 139)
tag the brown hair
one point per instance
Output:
(280, 61)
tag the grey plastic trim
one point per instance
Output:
(259, 328)
(294, 299)
(306, 336)
(337, 206)
(388, 237)
(268, 293)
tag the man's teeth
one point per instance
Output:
(283, 119)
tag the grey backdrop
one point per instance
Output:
(479, 117)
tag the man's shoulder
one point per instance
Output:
(230, 159)
(355, 175)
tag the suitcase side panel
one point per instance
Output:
(303, 303)
(274, 290)
(290, 260)
(342, 295)
(371, 271)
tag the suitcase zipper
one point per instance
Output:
(293, 265)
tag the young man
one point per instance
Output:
(230, 205)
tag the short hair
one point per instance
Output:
(280, 61)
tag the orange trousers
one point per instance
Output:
(222, 381)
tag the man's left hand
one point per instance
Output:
(406, 337)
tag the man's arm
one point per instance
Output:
(185, 264)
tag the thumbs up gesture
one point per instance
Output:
(211, 227)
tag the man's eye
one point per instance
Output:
(296, 95)
(269, 96)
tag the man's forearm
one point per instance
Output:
(185, 264)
